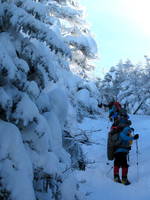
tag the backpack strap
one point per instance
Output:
(114, 127)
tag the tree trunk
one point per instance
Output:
(138, 107)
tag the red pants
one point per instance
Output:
(121, 162)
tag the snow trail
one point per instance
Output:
(98, 177)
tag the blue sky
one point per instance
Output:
(121, 29)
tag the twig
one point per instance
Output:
(90, 131)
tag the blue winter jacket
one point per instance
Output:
(112, 110)
(125, 139)
(113, 113)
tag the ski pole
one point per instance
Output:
(137, 157)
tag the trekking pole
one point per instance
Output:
(137, 159)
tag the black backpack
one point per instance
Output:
(114, 141)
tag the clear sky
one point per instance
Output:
(121, 29)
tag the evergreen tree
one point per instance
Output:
(76, 34)
(34, 57)
(128, 84)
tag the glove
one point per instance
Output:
(136, 136)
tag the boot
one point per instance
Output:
(117, 178)
(125, 180)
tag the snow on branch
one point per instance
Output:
(84, 43)
(21, 20)
(67, 12)
(26, 111)
(7, 66)
(37, 9)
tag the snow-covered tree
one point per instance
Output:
(83, 47)
(76, 33)
(128, 84)
(34, 103)
(111, 83)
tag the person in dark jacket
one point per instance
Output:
(120, 155)
(115, 110)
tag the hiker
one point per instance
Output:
(122, 121)
(114, 109)
(120, 115)
(120, 155)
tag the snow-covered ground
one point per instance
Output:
(98, 178)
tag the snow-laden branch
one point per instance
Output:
(84, 43)
(21, 20)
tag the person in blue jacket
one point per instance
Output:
(113, 114)
(120, 155)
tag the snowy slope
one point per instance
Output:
(98, 178)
